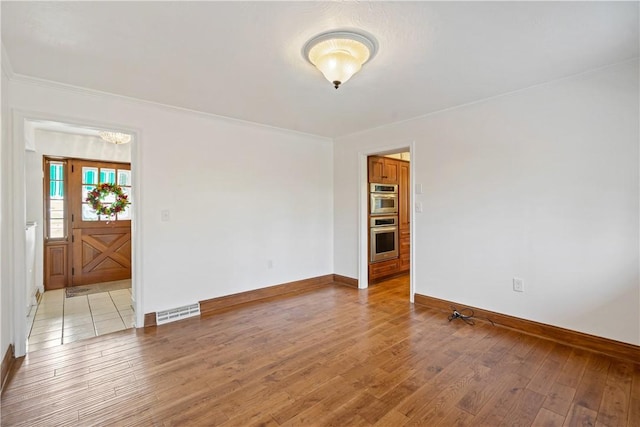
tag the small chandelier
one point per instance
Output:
(339, 54)
(115, 137)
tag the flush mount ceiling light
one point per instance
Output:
(339, 54)
(115, 137)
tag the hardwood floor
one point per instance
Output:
(332, 356)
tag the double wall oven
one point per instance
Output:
(383, 199)
(383, 222)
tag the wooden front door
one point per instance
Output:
(100, 246)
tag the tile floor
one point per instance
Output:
(59, 320)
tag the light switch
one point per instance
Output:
(418, 188)
(419, 207)
(165, 215)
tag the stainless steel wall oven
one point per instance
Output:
(383, 238)
(383, 199)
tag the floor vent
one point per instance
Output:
(179, 313)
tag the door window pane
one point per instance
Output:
(55, 171)
(124, 180)
(127, 191)
(56, 228)
(86, 189)
(89, 175)
(107, 175)
(56, 209)
(108, 199)
(125, 214)
(56, 190)
(88, 213)
(124, 177)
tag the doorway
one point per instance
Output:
(80, 246)
(87, 256)
(393, 169)
(389, 215)
(26, 127)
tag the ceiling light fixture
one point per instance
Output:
(115, 137)
(339, 54)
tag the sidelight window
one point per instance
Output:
(55, 202)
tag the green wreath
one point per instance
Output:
(97, 195)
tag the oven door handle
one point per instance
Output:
(384, 228)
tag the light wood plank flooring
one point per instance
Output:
(332, 356)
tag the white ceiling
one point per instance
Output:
(243, 60)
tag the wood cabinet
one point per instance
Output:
(383, 269)
(383, 170)
(405, 250)
(404, 215)
(404, 196)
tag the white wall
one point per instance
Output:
(238, 195)
(6, 296)
(49, 143)
(541, 184)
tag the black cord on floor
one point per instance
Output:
(467, 318)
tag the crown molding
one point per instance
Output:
(5, 63)
(50, 84)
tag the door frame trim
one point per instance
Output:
(18, 216)
(363, 221)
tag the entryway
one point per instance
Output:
(82, 247)
(67, 315)
(83, 267)
(388, 214)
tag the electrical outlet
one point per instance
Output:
(518, 284)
